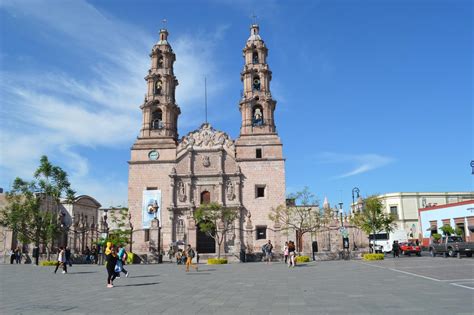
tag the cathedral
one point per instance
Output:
(169, 177)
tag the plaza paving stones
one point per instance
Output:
(411, 285)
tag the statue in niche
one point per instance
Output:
(257, 117)
(255, 57)
(206, 161)
(158, 86)
(160, 62)
(181, 191)
(230, 190)
(256, 84)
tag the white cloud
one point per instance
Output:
(55, 113)
(361, 163)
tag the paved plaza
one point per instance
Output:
(407, 285)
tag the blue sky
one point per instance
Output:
(373, 94)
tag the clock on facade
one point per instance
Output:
(153, 155)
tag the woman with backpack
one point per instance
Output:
(189, 258)
(122, 258)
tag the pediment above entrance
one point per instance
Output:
(206, 138)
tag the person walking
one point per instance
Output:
(61, 261)
(285, 252)
(111, 260)
(396, 249)
(267, 249)
(94, 254)
(18, 255)
(189, 253)
(122, 258)
(291, 253)
(170, 253)
(87, 254)
(12, 254)
(68, 256)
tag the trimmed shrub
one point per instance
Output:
(373, 256)
(130, 258)
(302, 259)
(217, 261)
(46, 263)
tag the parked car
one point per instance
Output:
(452, 246)
(384, 241)
(408, 248)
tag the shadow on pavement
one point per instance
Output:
(145, 276)
(197, 273)
(81, 272)
(137, 285)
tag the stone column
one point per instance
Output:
(155, 240)
(277, 237)
(238, 231)
(249, 235)
(191, 228)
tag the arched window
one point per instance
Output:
(256, 83)
(158, 86)
(160, 62)
(157, 119)
(255, 57)
(257, 115)
(205, 197)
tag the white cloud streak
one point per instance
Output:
(361, 163)
(54, 113)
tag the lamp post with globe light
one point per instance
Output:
(355, 194)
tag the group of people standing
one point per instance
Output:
(186, 257)
(15, 255)
(289, 252)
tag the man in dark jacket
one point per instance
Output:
(68, 257)
(396, 249)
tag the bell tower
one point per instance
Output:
(256, 105)
(159, 129)
(258, 135)
(160, 111)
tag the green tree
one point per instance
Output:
(447, 230)
(372, 218)
(303, 217)
(33, 206)
(215, 220)
(122, 235)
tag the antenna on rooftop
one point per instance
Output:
(205, 98)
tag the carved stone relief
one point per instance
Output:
(206, 161)
(207, 137)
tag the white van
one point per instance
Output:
(384, 241)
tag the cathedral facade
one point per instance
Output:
(170, 177)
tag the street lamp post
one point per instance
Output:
(106, 230)
(131, 229)
(355, 193)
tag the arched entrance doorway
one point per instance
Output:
(204, 242)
